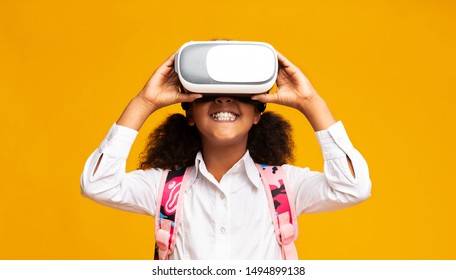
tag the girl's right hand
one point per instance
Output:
(162, 89)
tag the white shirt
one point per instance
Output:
(229, 219)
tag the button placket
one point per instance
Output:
(221, 228)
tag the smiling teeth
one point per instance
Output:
(224, 117)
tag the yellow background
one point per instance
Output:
(385, 67)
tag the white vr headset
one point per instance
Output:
(226, 67)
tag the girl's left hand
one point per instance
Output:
(293, 87)
(295, 90)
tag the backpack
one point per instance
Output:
(171, 198)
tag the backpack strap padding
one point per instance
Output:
(282, 208)
(169, 210)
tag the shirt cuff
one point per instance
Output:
(118, 142)
(334, 141)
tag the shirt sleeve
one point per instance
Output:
(336, 187)
(109, 183)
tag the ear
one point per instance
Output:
(257, 117)
(189, 116)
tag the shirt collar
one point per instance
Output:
(245, 164)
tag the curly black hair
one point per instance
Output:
(174, 143)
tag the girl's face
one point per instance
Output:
(224, 121)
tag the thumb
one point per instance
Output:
(265, 98)
(189, 97)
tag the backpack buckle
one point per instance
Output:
(287, 230)
(162, 237)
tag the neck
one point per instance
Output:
(220, 159)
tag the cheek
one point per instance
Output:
(198, 111)
(251, 112)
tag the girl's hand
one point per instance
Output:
(162, 89)
(293, 87)
(295, 90)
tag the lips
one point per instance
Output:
(224, 116)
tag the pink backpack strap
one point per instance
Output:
(282, 208)
(169, 208)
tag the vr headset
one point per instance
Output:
(226, 68)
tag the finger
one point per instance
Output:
(283, 61)
(168, 66)
(172, 75)
(189, 97)
(170, 60)
(265, 98)
(288, 69)
(286, 66)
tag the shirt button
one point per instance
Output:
(222, 196)
(222, 230)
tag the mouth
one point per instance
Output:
(224, 117)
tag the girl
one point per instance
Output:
(225, 211)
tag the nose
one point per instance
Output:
(223, 99)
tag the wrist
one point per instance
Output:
(317, 112)
(145, 102)
(309, 103)
(136, 113)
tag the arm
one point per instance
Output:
(111, 185)
(104, 178)
(295, 90)
(160, 90)
(337, 187)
